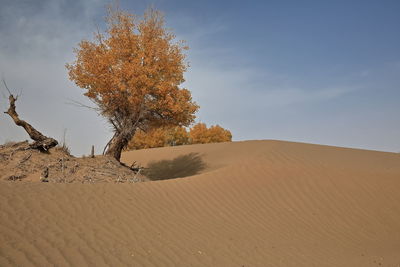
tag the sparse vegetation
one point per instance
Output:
(133, 73)
(18, 162)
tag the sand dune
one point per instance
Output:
(253, 203)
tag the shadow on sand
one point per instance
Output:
(182, 166)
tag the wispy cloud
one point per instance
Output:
(248, 90)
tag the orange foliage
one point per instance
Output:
(175, 136)
(132, 72)
(200, 134)
(159, 137)
(155, 138)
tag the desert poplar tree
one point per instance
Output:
(133, 72)
(160, 137)
(200, 134)
(176, 136)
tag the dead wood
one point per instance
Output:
(44, 176)
(25, 159)
(42, 142)
(16, 177)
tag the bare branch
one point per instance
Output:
(81, 105)
(42, 142)
(19, 94)
(5, 84)
(99, 35)
(108, 144)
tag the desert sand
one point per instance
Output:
(252, 203)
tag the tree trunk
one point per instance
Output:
(119, 142)
(42, 142)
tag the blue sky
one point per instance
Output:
(325, 72)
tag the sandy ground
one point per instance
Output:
(254, 203)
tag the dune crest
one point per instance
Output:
(252, 203)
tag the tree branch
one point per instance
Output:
(42, 142)
(8, 90)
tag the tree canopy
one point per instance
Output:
(175, 136)
(133, 72)
(200, 134)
